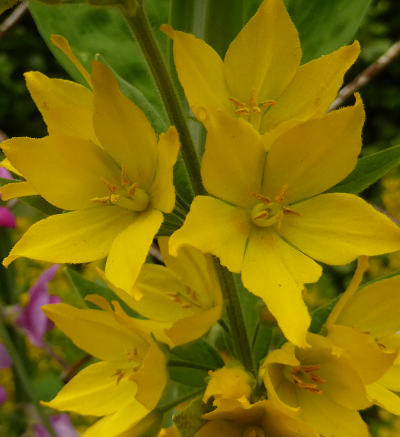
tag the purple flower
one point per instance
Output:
(7, 220)
(32, 318)
(61, 425)
(5, 363)
(4, 173)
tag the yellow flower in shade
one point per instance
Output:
(102, 163)
(183, 299)
(261, 79)
(231, 382)
(128, 381)
(320, 384)
(265, 218)
(365, 323)
(261, 419)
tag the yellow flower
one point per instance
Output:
(365, 323)
(231, 382)
(102, 163)
(128, 381)
(265, 217)
(320, 384)
(183, 299)
(261, 419)
(261, 78)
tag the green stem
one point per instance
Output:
(235, 316)
(140, 26)
(189, 365)
(23, 377)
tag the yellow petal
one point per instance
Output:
(229, 383)
(74, 237)
(200, 71)
(7, 165)
(336, 228)
(96, 332)
(280, 422)
(323, 414)
(264, 56)
(95, 390)
(116, 424)
(63, 44)
(315, 155)
(129, 249)
(383, 397)
(151, 378)
(313, 88)
(374, 308)
(370, 361)
(213, 226)
(281, 390)
(195, 326)
(220, 428)
(50, 164)
(195, 270)
(122, 128)
(66, 107)
(17, 189)
(277, 272)
(163, 190)
(159, 288)
(233, 162)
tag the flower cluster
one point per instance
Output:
(270, 215)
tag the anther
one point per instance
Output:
(103, 200)
(125, 182)
(112, 188)
(261, 198)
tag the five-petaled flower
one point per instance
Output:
(265, 216)
(102, 163)
(261, 79)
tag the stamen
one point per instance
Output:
(261, 198)
(261, 216)
(112, 188)
(244, 111)
(267, 104)
(103, 200)
(125, 182)
(132, 190)
(316, 380)
(280, 197)
(290, 211)
(238, 103)
(114, 198)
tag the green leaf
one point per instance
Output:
(189, 421)
(320, 315)
(190, 363)
(199, 352)
(103, 31)
(325, 25)
(85, 287)
(262, 341)
(369, 169)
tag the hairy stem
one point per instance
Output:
(235, 316)
(140, 27)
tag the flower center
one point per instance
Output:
(253, 431)
(267, 212)
(264, 215)
(252, 111)
(127, 196)
(306, 377)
